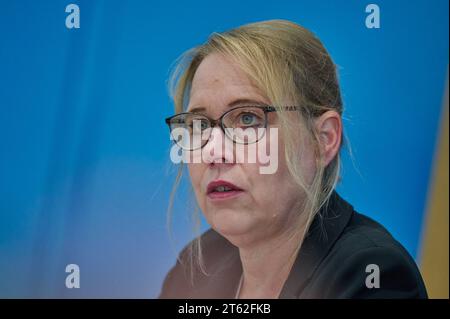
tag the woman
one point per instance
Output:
(285, 233)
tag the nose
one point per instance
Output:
(218, 149)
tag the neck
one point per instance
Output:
(266, 265)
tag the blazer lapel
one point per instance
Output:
(324, 231)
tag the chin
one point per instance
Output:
(228, 221)
(234, 227)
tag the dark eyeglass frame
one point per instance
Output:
(219, 121)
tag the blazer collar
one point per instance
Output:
(323, 233)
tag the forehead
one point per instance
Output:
(218, 82)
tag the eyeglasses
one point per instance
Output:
(243, 125)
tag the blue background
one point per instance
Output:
(84, 169)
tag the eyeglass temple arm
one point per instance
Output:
(278, 108)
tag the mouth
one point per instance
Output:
(220, 190)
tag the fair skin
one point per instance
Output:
(257, 220)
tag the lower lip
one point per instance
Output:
(216, 196)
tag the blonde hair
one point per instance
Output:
(292, 67)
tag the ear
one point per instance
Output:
(329, 130)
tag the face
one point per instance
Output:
(258, 206)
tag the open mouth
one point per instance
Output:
(222, 190)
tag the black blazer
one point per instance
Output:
(331, 263)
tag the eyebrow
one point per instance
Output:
(250, 102)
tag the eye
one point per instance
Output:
(248, 119)
(204, 125)
(197, 123)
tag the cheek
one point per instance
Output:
(195, 173)
(274, 183)
(304, 156)
(279, 189)
(271, 153)
(307, 162)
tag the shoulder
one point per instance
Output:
(186, 279)
(366, 261)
